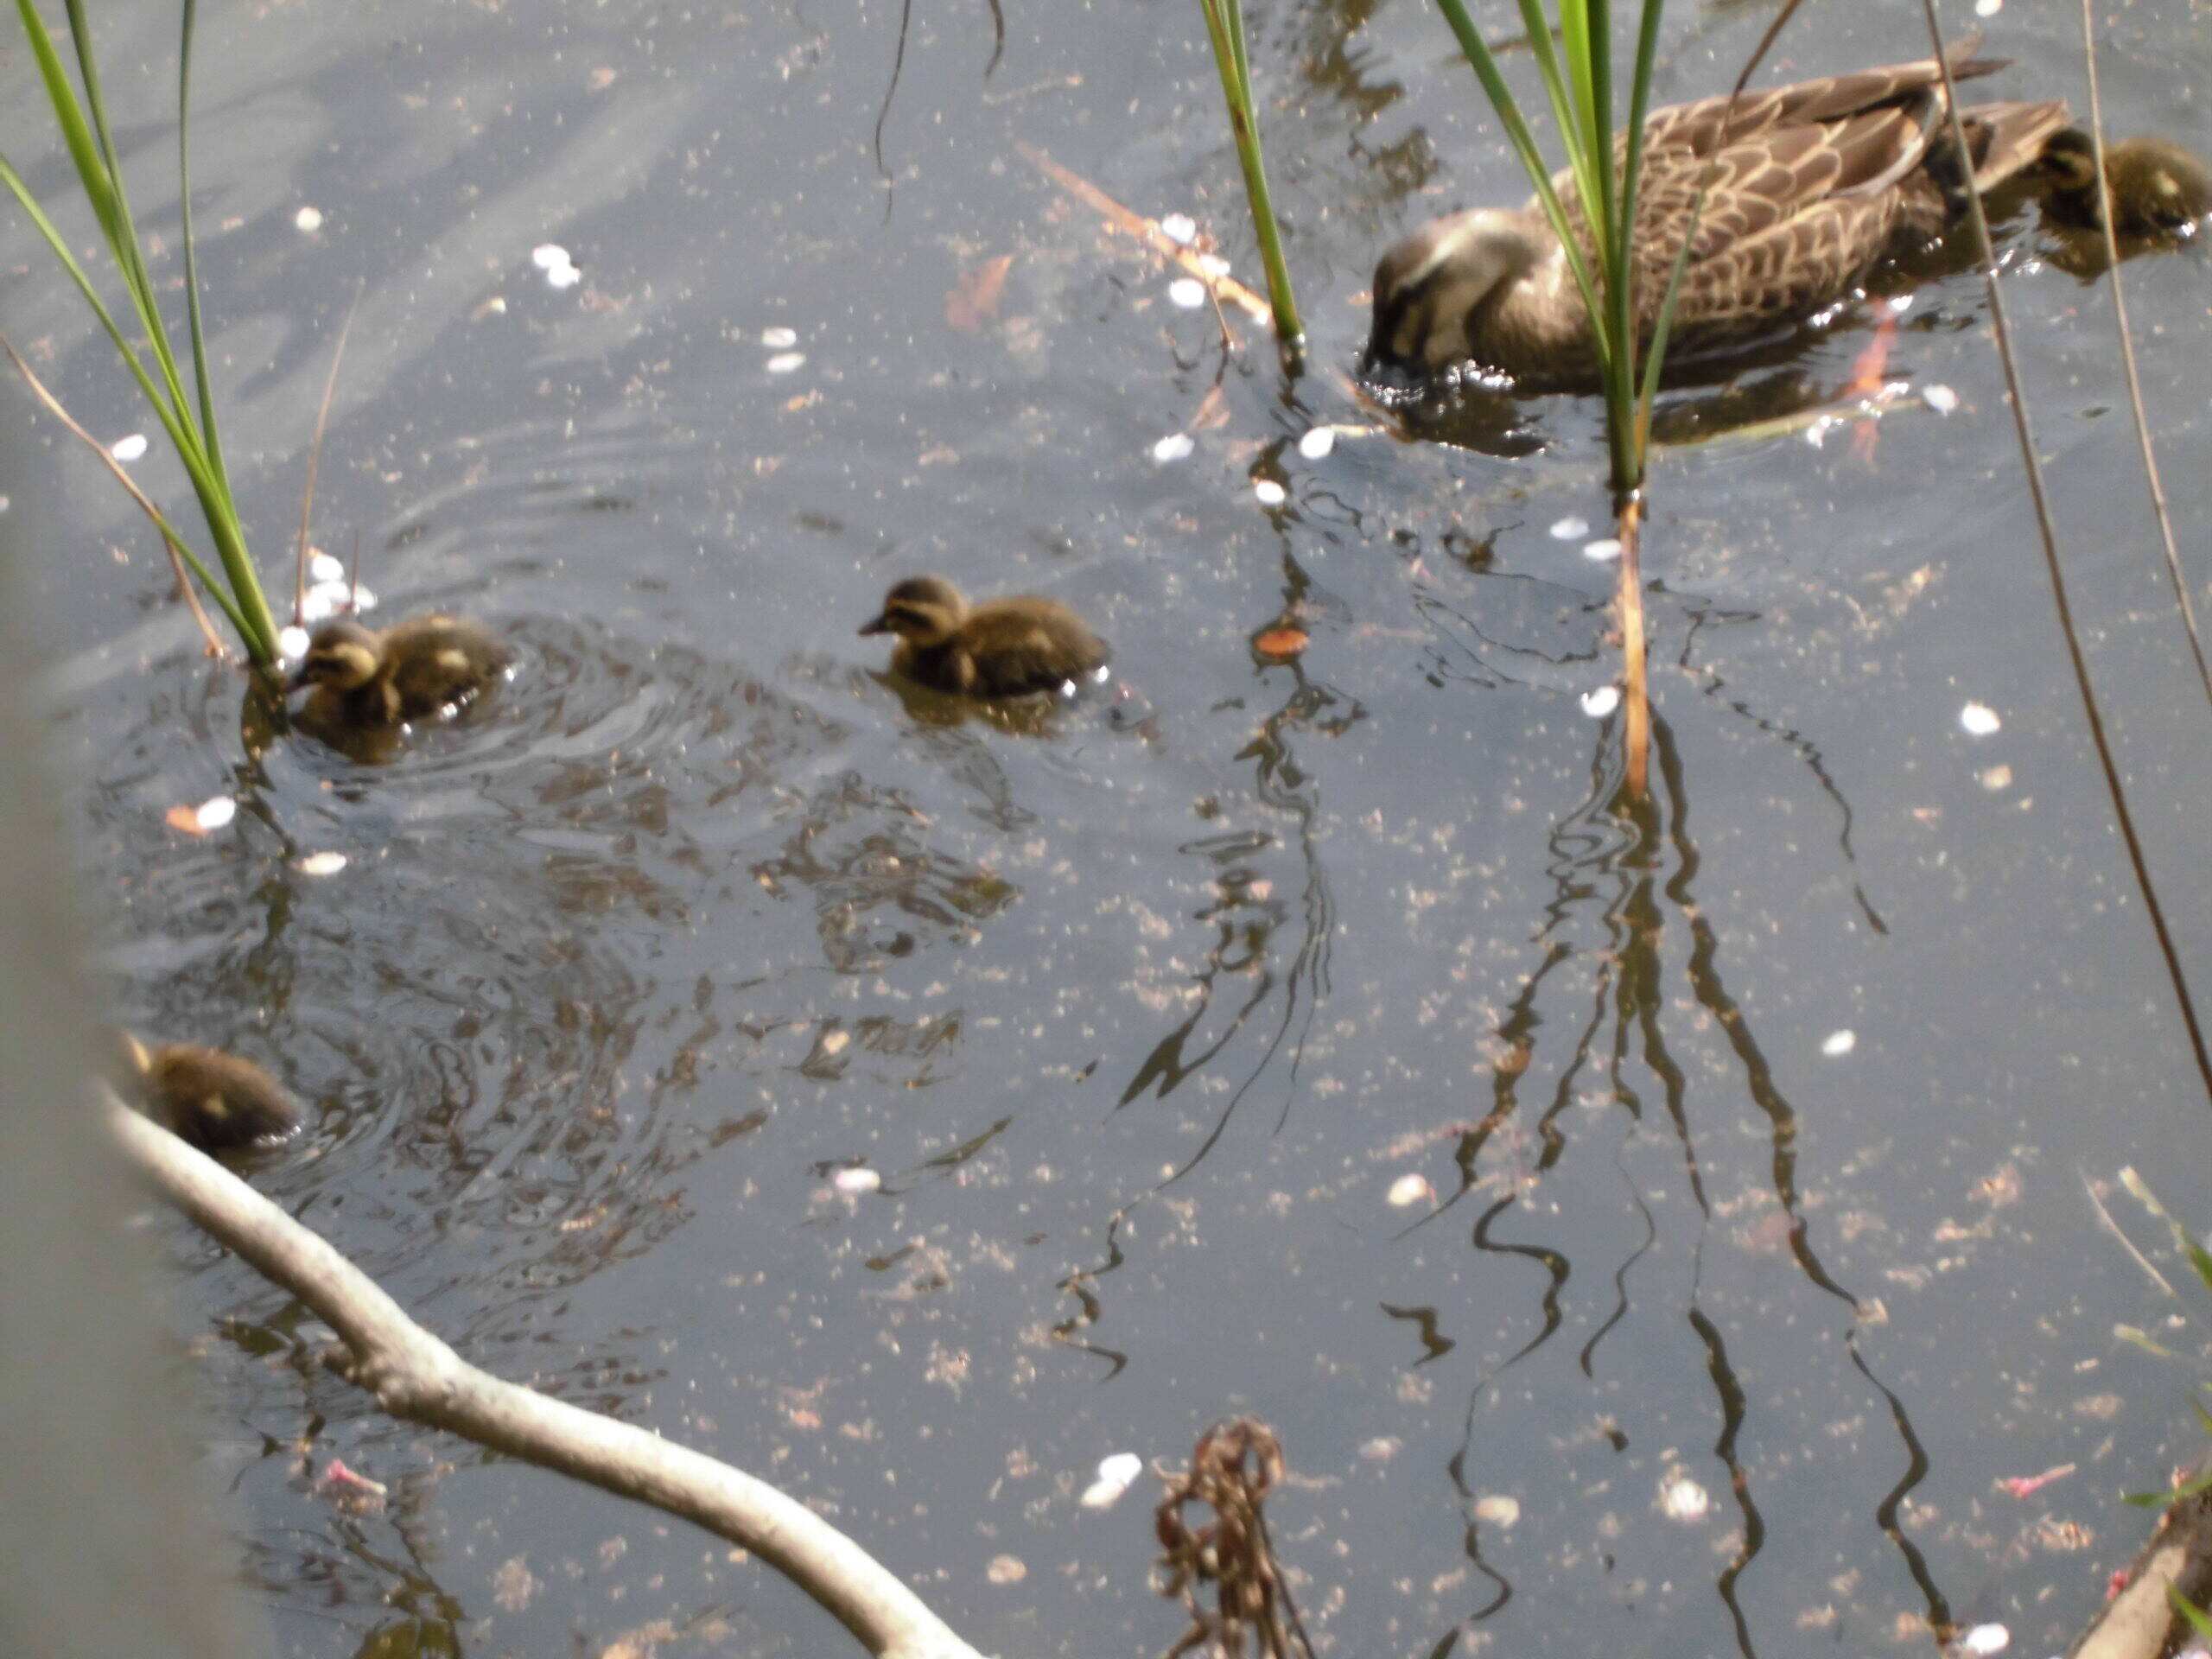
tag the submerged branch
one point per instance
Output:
(414, 1375)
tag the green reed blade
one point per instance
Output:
(201, 382)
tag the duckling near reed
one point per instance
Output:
(2157, 188)
(209, 1099)
(363, 679)
(1000, 648)
(1812, 185)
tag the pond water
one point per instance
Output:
(1755, 1128)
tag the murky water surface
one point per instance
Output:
(1756, 1127)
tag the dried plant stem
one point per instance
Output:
(2127, 354)
(414, 1375)
(177, 551)
(1979, 223)
(314, 458)
(1636, 729)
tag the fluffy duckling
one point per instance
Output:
(209, 1099)
(2157, 187)
(1000, 648)
(362, 678)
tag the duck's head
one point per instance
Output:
(343, 655)
(926, 610)
(1428, 284)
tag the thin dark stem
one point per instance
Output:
(2127, 355)
(1979, 222)
(314, 458)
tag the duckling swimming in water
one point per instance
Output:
(365, 679)
(2157, 187)
(1000, 648)
(209, 1099)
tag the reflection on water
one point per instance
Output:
(1134, 1013)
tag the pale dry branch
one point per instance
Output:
(414, 1375)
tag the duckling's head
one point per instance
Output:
(2070, 161)
(343, 655)
(1427, 286)
(2156, 184)
(925, 610)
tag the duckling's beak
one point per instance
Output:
(880, 625)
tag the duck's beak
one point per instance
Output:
(880, 625)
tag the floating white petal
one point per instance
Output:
(1188, 292)
(779, 339)
(293, 643)
(1174, 447)
(1941, 399)
(1685, 1500)
(323, 567)
(1604, 550)
(1571, 529)
(550, 255)
(1978, 719)
(1987, 8)
(1409, 1190)
(4, 504)
(1837, 1044)
(1316, 444)
(1499, 1510)
(784, 362)
(564, 276)
(857, 1183)
(1601, 702)
(216, 811)
(130, 448)
(322, 863)
(308, 218)
(1985, 1639)
(1269, 493)
(1179, 228)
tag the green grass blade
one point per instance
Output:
(2170, 1496)
(1532, 160)
(1225, 30)
(2188, 1610)
(210, 435)
(1566, 115)
(1639, 105)
(70, 117)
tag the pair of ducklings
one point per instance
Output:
(360, 679)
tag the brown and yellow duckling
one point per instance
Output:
(209, 1099)
(2157, 188)
(362, 679)
(1000, 648)
(1811, 186)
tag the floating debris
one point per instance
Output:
(1269, 493)
(1283, 642)
(1179, 228)
(1978, 719)
(209, 816)
(1006, 1569)
(4, 503)
(1837, 1044)
(1941, 399)
(130, 448)
(1602, 702)
(2027, 1485)
(322, 567)
(1996, 778)
(1683, 1499)
(1604, 550)
(1176, 446)
(1411, 1190)
(553, 259)
(322, 864)
(857, 1183)
(779, 339)
(1188, 292)
(1498, 1509)
(975, 299)
(1115, 1476)
(1987, 8)
(1317, 443)
(1571, 529)
(292, 643)
(308, 218)
(784, 362)
(1985, 1639)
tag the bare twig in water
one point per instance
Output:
(2127, 353)
(1636, 701)
(1147, 231)
(414, 1375)
(1231, 1468)
(177, 553)
(1986, 252)
(314, 458)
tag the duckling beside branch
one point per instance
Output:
(207, 1098)
(362, 681)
